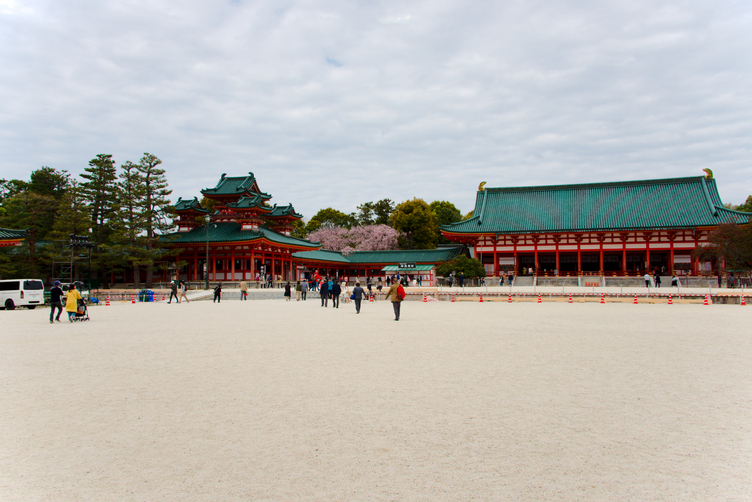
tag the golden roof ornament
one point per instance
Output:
(708, 174)
(482, 186)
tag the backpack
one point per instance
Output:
(400, 292)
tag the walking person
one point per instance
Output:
(298, 290)
(357, 296)
(174, 292)
(71, 301)
(218, 293)
(56, 301)
(396, 294)
(334, 291)
(657, 280)
(647, 280)
(183, 291)
(243, 290)
(288, 292)
(324, 290)
(303, 289)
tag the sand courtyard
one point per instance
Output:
(269, 400)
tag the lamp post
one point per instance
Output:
(207, 218)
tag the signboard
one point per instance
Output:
(407, 265)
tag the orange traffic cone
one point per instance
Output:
(603, 298)
(743, 302)
(133, 299)
(570, 297)
(424, 298)
(108, 301)
(371, 298)
(510, 298)
(635, 302)
(670, 299)
(452, 297)
(163, 297)
(539, 298)
(481, 298)
(706, 300)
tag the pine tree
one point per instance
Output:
(156, 210)
(100, 190)
(128, 224)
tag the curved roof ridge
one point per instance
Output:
(602, 184)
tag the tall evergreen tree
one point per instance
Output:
(100, 191)
(126, 248)
(156, 210)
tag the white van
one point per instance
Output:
(21, 293)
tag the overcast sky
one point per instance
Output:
(335, 103)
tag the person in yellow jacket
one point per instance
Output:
(396, 297)
(71, 301)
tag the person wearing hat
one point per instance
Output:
(56, 300)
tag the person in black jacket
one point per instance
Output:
(217, 294)
(56, 300)
(336, 290)
(357, 296)
(324, 290)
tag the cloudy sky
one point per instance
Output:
(335, 103)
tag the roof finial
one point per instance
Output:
(708, 174)
(482, 186)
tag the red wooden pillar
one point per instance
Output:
(232, 264)
(624, 256)
(558, 268)
(214, 265)
(195, 265)
(647, 256)
(671, 254)
(601, 255)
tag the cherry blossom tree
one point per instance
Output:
(361, 238)
(373, 238)
(333, 238)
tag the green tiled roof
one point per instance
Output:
(231, 232)
(321, 255)
(406, 255)
(248, 203)
(383, 257)
(12, 234)
(234, 185)
(287, 210)
(632, 205)
(184, 205)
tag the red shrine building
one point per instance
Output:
(620, 228)
(244, 235)
(11, 237)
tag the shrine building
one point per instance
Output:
(361, 264)
(11, 237)
(244, 234)
(617, 228)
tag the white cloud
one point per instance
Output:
(338, 103)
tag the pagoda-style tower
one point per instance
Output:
(238, 200)
(188, 212)
(282, 219)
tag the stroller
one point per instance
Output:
(82, 312)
